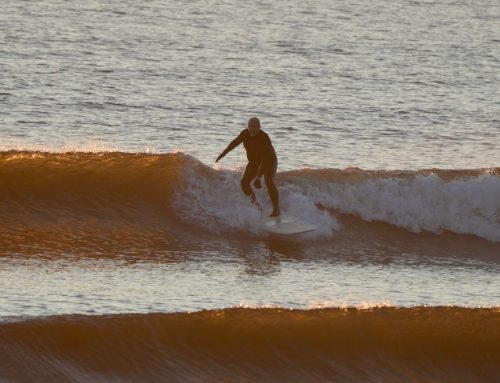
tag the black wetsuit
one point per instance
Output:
(262, 160)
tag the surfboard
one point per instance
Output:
(287, 225)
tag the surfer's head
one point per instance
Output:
(253, 126)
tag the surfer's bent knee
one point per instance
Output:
(245, 186)
(249, 174)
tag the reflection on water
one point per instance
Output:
(263, 272)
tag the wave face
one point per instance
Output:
(384, 344)
(53, 199)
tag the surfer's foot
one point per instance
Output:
(275, 213)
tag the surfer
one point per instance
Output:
(262, 161)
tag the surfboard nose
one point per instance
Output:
(287, 225)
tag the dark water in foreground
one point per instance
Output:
(445, 344)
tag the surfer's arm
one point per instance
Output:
(267, 153)
(233, 144)
(260, 173)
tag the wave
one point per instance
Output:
(98, 195)
(458, 201)
(380, 344)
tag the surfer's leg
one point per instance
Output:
(248, 176)
(269, 175)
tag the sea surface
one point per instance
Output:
(128, 255)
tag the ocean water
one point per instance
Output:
(128, 255)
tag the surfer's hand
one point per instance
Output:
(219, 158)
(257, 183)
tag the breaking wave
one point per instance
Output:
(79, 191)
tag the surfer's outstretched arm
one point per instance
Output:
(233, 144)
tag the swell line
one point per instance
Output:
(383, 343)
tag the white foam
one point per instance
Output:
(360, 305)
(314, 304)
(465, 206)
(214, 199)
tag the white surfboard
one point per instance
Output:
(287, 225)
